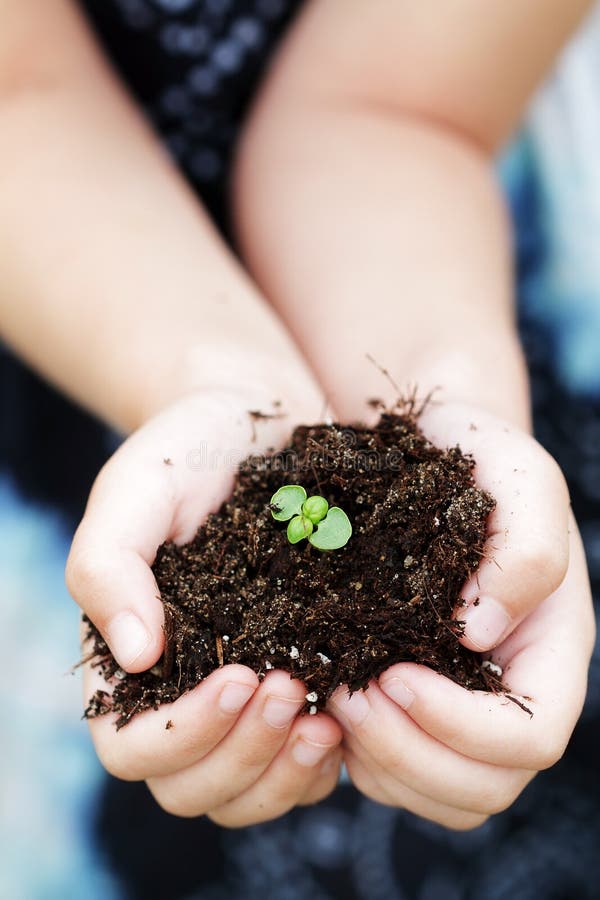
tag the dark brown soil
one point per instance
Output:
(241, 593)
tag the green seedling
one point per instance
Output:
(310, 517)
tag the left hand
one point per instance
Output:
(418, 740)
(231, 748)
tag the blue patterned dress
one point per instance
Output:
(69, 831)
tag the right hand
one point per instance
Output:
(530, 603)
(237, 750)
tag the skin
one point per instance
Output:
(386, 164)
(401, 176)
(198, 321)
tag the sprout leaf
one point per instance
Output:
(287, 502)
(333, 532)
(299, 528)
(315, 509)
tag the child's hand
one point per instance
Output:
(235, 749)
(418, 740)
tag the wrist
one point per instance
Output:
(251, 378)
(487, 370)
(478, 367)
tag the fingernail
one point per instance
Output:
(127, 637)
(397, 691)
(485, 624)
(234, 697)
(354, 708)
(279, 711)
(307, 753)
(330, 763)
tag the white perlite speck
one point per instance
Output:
(324, 659)
(294, 653)
(312, 711)
(492, 667)
(312, 697)
(268, 665)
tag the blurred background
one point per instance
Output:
(69, 831)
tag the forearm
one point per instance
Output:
(113, 282)
(391, 240)
(366, 203)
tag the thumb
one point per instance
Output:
(526, 554)
(109, 566)
(150, 491)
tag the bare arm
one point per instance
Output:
(369, 213)
(367, 164)
(113, 282)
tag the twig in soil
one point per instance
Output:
(101, 660)
(385, 373)
(253, 544)
(417, 413)
(441, 621)
(169, 630)
(128, 716)
(483, 555)
(222, 553)
(312, 443)
(86, 659)
(316, 477)
(219, 644)
(520, 705)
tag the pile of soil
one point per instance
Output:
(241, 593)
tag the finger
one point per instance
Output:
(545, 664)
(327, 780)
(404, 798)
(379, 733)
(241, 758)
(289, 778)
(469, 794)
(526, 554)
(130, 512)
(115, 587)
(196, 722)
